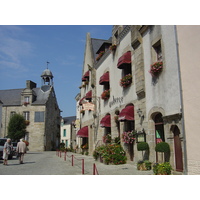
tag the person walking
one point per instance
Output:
(21, 150)
(6, 151)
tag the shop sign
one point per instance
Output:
(88, 106)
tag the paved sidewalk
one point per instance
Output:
(48, 163)
(89, 161)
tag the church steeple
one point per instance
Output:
(47, 77)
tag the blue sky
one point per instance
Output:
(25, 49)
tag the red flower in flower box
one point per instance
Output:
(105, 95)
(156, 68)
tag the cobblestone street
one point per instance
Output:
(48, 163)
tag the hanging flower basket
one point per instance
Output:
(126, 80)
(128, 137)
(156, 68)
(105, 95)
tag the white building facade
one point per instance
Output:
(147, 101)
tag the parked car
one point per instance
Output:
(2, 142)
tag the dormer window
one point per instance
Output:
(27, 99)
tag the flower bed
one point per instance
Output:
(111, 154)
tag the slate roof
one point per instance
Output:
(69, 120)
(13, 97)
(96, 44)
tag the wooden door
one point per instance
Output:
(178, 150)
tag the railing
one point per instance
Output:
(73, 158)
(95, 171)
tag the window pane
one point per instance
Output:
(39, 116)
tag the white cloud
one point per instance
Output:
(13, 48)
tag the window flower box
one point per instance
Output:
(26, 103)
(82, 112)
(105, 95)
(156, 68)
(113, 47)
(27, 122)
(100, 55)
(126, 81)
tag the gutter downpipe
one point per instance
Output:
(185, 170)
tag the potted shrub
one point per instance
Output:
(164, 148)
(142, 146)
(126, 81)
(162, 168)
(144, 165)
(147, 164)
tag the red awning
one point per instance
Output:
(104, 78)
(81, 101)
(83, 132)
(105, 121)
(88, 95)
(127, 113)
(86, 75)
(124, 60)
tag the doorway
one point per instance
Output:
(177, 149)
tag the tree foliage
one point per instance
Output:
(16, 127)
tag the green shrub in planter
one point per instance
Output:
(144, 165)
(142, 146)
(147, 164)
(162, 168)
(140, 165)
(162, 147)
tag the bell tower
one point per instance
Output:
(47, 77)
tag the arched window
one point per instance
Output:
(159, 128)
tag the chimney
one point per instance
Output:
(30, 84)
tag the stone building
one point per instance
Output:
(144, 79)
(40, 110)
(67, 132)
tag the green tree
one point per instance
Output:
(16, 127)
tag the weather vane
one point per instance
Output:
(47, 64)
